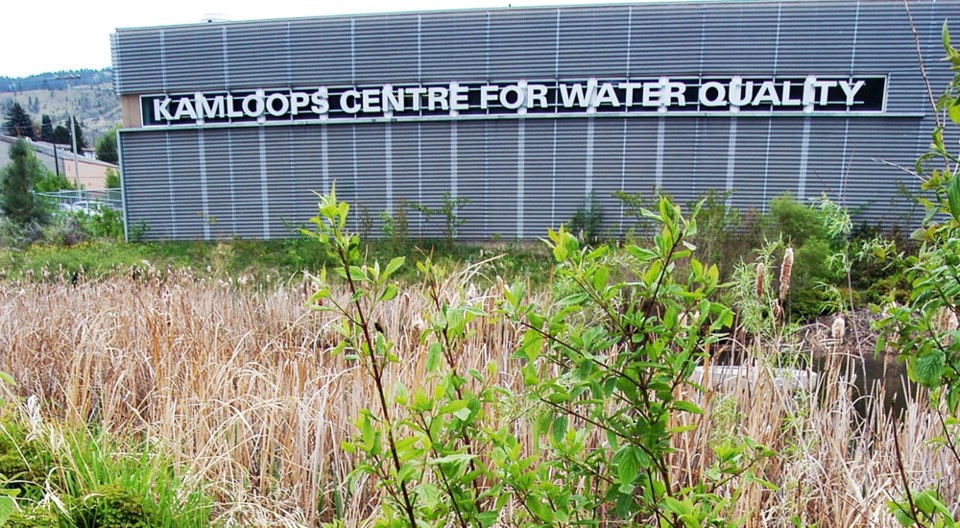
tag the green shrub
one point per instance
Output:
(795, 221)
(33, 518)
(605, 360)
(587, 221)
(110, 506)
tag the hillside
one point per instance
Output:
(88, 94)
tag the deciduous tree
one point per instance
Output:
(107, 147)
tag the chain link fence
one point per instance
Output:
(85, 199)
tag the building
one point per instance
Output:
(60, 160)
(229, 126)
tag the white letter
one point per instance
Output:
(652, 93)
(459, 97)
(416, 94)
(740, 93)
(206, 110)
(319, 103)
(298, 100)
(232, 110)
(258, 108)
(161, 109)
(607, 95)
(371, 100)
(505, 100)
(536, 95)
(348, 101)
(488, 93)
(673, 90)
(824, 87)
(719, 100)
(392, 100)
(766, 94)
(785, 99)
(438, 97)
(284, 104)
(629, 87)
(577, 96)
(851, 93)
(185, 106)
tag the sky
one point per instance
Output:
(71, 35)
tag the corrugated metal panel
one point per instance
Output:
(323, 52)
(259, 55)
(454, 46)
(523, 176)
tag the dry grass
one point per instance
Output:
(237, 386)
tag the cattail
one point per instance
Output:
(760, 270)
(785, 273)
(777, 310)
(838, 328)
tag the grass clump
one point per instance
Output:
(75, 477)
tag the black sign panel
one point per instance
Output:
(809, 95)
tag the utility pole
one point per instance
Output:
(73, 127)
(73, 139)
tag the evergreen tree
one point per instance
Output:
(18, 122)
(107, 147)
(61, 135)
(46, 129)
(19, 176)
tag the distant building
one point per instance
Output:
(93, 172)
(528, 112)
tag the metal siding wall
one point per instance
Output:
(523, 45)
(137, 58)
(323, 53)
(406, 172)
(254, 186)
(194, 59)
(678, 158)
(540, 186)
(474, 178)
(662, 44)
(501, 205)
(591, 43)
(571, 155)
(454, 46)
(782, 175)
(435, 175)
(221, 184)
(371, 174)
(608, 171)
(755, 164)
(737, 38)
(640, 164)
(386, 50)
(259, 55)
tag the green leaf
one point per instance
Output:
(389, 293)
(953, 189)
(7, 378)
(953, 112)
(454, 458)
(627, 465)
(686, 406)
(393, 266)
(559, 428)
(7, 507)
(433, 356)
(928, 368)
